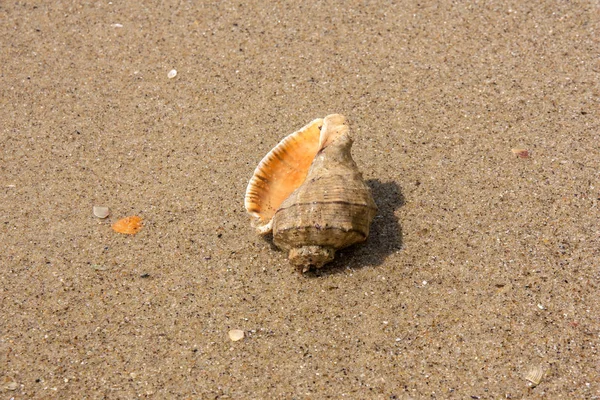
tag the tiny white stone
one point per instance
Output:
(172, 74)
(101, 212)
(236, 334)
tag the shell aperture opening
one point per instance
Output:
(281, 172)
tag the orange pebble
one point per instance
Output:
(129, 225)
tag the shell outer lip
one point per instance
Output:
(258, 181)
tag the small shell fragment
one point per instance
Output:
(128, 226)
(99, 267)
(236, 334)
(101, 212)
(521, 153)
(8, 383)
(172, 74)
(535, 374)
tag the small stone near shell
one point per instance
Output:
(236, 335)
(101, 212)
(535, 374)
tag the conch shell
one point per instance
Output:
(309, 192)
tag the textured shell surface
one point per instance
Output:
(281, 172)
(332, 209)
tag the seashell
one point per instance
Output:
(330, 209)
(535, 374)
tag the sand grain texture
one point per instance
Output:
(480, 264)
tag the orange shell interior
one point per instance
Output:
(129, 225)
(282, 171)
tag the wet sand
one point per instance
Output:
(481, 266)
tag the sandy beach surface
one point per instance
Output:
(480, 279)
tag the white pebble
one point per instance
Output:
(236, 334)
(101, 212)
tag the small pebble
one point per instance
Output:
(236, 334)
(101, 212)
(521, 153)
(99, 267)
(172, 74)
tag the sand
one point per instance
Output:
(481, 266)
